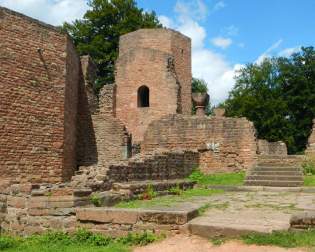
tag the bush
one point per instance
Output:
(308, 165)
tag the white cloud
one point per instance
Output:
(219, 5)
(165, 21)
(221, 42)
(289, 51)
(268, 52)
(195, 9)
(206, 64)
(54, 12)
(231, 30)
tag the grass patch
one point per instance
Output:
(218, 178)
(168, 200)
(284, 239)
(80, 241)
(309, 180)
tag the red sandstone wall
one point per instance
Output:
(271, 148)
(73, 79)
(159, 59)
(181, 48)
(225, 144)
(33, 146)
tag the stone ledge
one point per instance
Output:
(133, 216)
(262, 188)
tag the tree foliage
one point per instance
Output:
(278, 95)
(199, 86)
(97, 34)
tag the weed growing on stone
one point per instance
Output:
(218, 241)
(287, 239)
(176, 190)
(148, 194)
(81, 240)
(236, 178)
(96, 199)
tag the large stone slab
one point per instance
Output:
(132, 216)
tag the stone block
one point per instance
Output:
(107, 215)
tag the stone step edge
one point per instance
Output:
(244, 188)
(274, 177)
(101, 215)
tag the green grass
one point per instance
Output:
(236, 178)
(309, 180)
(284, 239)
(80, 241)
(168, 200)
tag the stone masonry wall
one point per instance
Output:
(156, 165)
(272, 148)
(102, 138)
(310, 148)
(225, 144)
(30, 209)
(37, 74)
(160, 60)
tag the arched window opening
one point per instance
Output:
(143, 97)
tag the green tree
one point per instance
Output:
(97, 34)
(278, 95)
(200, 86)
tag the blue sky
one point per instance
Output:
(226, 34)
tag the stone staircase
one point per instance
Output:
(277, 171)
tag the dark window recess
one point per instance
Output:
(143, 97)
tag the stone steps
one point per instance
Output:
(277, 168)
(281, 173)
(273, 183)
(276, 177)
(276, 171)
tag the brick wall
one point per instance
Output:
(160, 60)
(272, 148)
(310, 149)
(102, 138)
(225, 144)
(156, 165)
(38, 73)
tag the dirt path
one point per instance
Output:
(184, 243)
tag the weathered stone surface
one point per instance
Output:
(167, 52)
(107, 215)
(226, 144)
(39, 80)
(304, 220)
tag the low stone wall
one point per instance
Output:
(28, 209)
(119, 222)
(157, 165)
(272, 148)
(225, 144)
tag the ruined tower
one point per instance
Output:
(153, 77)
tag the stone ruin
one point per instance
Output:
(60, 141)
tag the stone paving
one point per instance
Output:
(235, 213)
